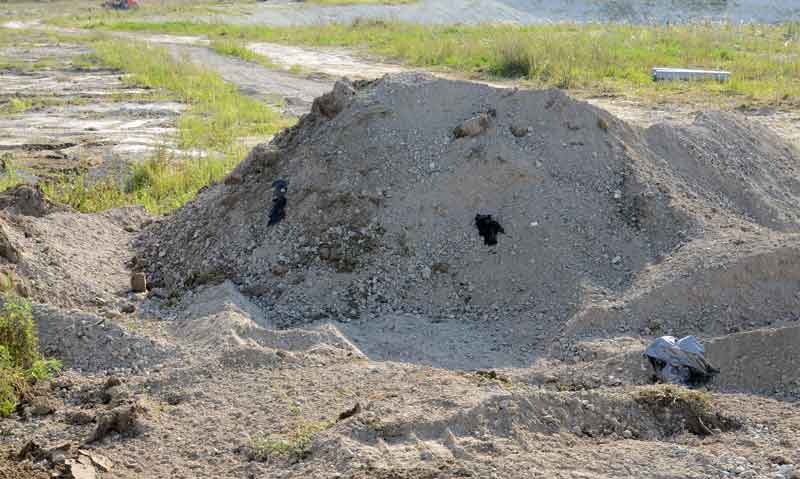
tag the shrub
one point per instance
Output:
(21, 364)
(17, 333)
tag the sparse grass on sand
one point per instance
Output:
(21, 363)
(238, 48)
(591, 58)
(218, 117)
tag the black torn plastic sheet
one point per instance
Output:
(278, 211)
(488, 228)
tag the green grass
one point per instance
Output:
(21, 363)
(238, 48)
(593, 58)
(218, 117)
(291, 444)
(9, 178)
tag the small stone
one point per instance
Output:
(81, 471)
(520, 131)
(426, 455)
(473, 127)
(41, 406)
(78, 418)
(426, 272)
(128, 308)
(779, 459)
(139, 282)
(440, 268)
(102, 462)
(22, 288)
(122, 419)
(616, 260)
(627, 434)
(279, 269)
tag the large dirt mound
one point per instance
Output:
(385, 180)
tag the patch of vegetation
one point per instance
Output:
(293, 444)
(670, 395)
(217, 118)
(677, 408)
(18, 104)
(238, 48)
(491, 378)
(21, 363)
(593, 58)
(7, 284)
(9, 177)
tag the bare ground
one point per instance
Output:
(223, 389)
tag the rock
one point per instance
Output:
(111, 382)
(332, 103)
(41, 406)
(78, 418)
(102, 462)
(22, 288)
(473, 127)
(128, 308)
(440, 268)
(117, 395)
(627, 434)
(7, 249)
(31, 450)
(616, 260)
(139, 282)
(279, 269)
(79, 470)
(779, 459)
(520, 131)
(122, 419)
(28, 200)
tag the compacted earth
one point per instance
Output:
(426, 278)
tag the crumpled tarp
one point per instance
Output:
(680, 361)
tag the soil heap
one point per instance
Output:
(606, 227)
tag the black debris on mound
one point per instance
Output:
(488, 228)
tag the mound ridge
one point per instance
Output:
(385, 179)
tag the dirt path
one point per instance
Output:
(292, 93)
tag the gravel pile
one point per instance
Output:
(385, 181)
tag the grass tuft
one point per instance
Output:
(21, 363)
(238, 48)
(293, 444)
